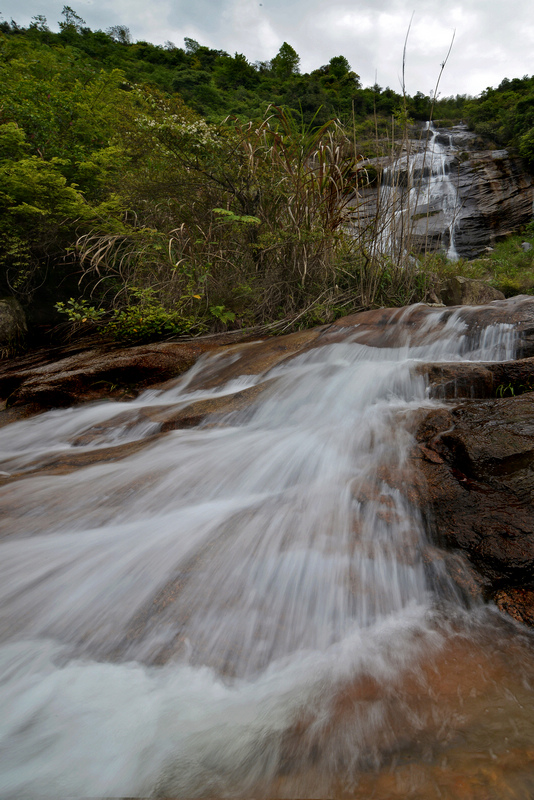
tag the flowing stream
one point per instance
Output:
(250, 608)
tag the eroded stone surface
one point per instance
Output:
(52, 379)
(496, 194)
(480, 497)
(479, 380)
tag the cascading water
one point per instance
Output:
(419, 198)
(249, 608)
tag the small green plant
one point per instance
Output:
(143, 319)
(513, 389)
(229, 216)
(222, 314)
(505, 390)
(79, 311)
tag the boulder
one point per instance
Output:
(466, 379)
(459, 291)
(395, 327)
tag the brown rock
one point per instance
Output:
(420, 323)
(169, 418)
(459, 291)
(61, 378)
(480, 498)
(518, 603)
(475, 380)
(496, 194)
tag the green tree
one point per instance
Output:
(338, 67)
(286, 62)
(71, 21)
(120, 34)
(39, 23)
(526, 147)
(231, 73)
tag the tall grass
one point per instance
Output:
(260, 224)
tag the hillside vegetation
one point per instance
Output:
(151, 190)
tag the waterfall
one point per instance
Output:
(244, 608)
(419, 197)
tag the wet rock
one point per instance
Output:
(479, 498)
(518, 603)
(54, 379)
(448, 381)
(442, 565)
(459, 291)
(396, 327)
(474, 479)
(253, 358)
(493, 194)
(475, 380)
(160, 419)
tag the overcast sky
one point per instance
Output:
(494, 38)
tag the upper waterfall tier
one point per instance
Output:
(442, 194)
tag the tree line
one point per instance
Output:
(169, 189)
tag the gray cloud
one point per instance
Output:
(493, 39)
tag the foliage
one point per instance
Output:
(212, 82)
(58, 152)
(513, 389)
(505, 115)
(170, 190)
(512, 267)
(79, 311)
(264, 233)
(509, 267)
(526, 147)
(286, 62)
(143, 319)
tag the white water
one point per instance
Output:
(416, 188)
(168, 619)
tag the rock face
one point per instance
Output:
(393, 327)
(61, 379)
(496, 196)
(477, 496)
(64, 377)
(474, 457)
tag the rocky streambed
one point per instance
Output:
(471, 465)
(297, 567)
